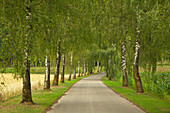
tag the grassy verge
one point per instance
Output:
(147, 102)
(41, 98)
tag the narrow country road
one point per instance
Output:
(90, 95)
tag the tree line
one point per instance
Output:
(112, 33)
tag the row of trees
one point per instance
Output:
(112, 32)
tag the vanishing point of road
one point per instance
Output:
(90, 95)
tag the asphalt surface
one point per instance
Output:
(90, 95)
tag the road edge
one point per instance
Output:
(124, 97)
(56, 101)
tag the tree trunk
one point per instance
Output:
(26, 91)
(109, 62)
(94, 67)
(124, 72)
(47, 74)
(84, 68)
(87, 68)
(107, 71)
(57, 68)
(139, 88)
(71, 68)
(74, 77)
(97, 66)
(79, 69)
(63, 69)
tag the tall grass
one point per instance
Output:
(13, 87)
(157, 84)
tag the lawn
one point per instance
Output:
(148, 102)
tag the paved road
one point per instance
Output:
(90, 95)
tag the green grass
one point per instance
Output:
(41, 98)
(149, 103)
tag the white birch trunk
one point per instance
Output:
(124, 72)
(26, 90)
(79, 69)
(84, 68)
(63, 69)
(97, 66)
(47, 74)
(138, 81)
(109, 62)
(57, 68)
(87, 68)
(71, 67)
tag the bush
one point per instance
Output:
(157, 84)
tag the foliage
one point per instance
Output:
(157, 84)
(89, 30)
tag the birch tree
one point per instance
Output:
(47, 73)
(57, 68)
(63, 69)
(71, 63)
(79, 68)
(137, 78)
(26, 91)
(97, 66)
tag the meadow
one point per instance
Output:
(13, 86)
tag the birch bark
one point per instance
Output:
(57, 68)
(124, 72)
(84, 68)
(79, 69)
(26, 90)
(63, 69)
(109, 62)
(97, 66)
(71, 67)
(139, 88)
(87, 68)
(47, 74)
